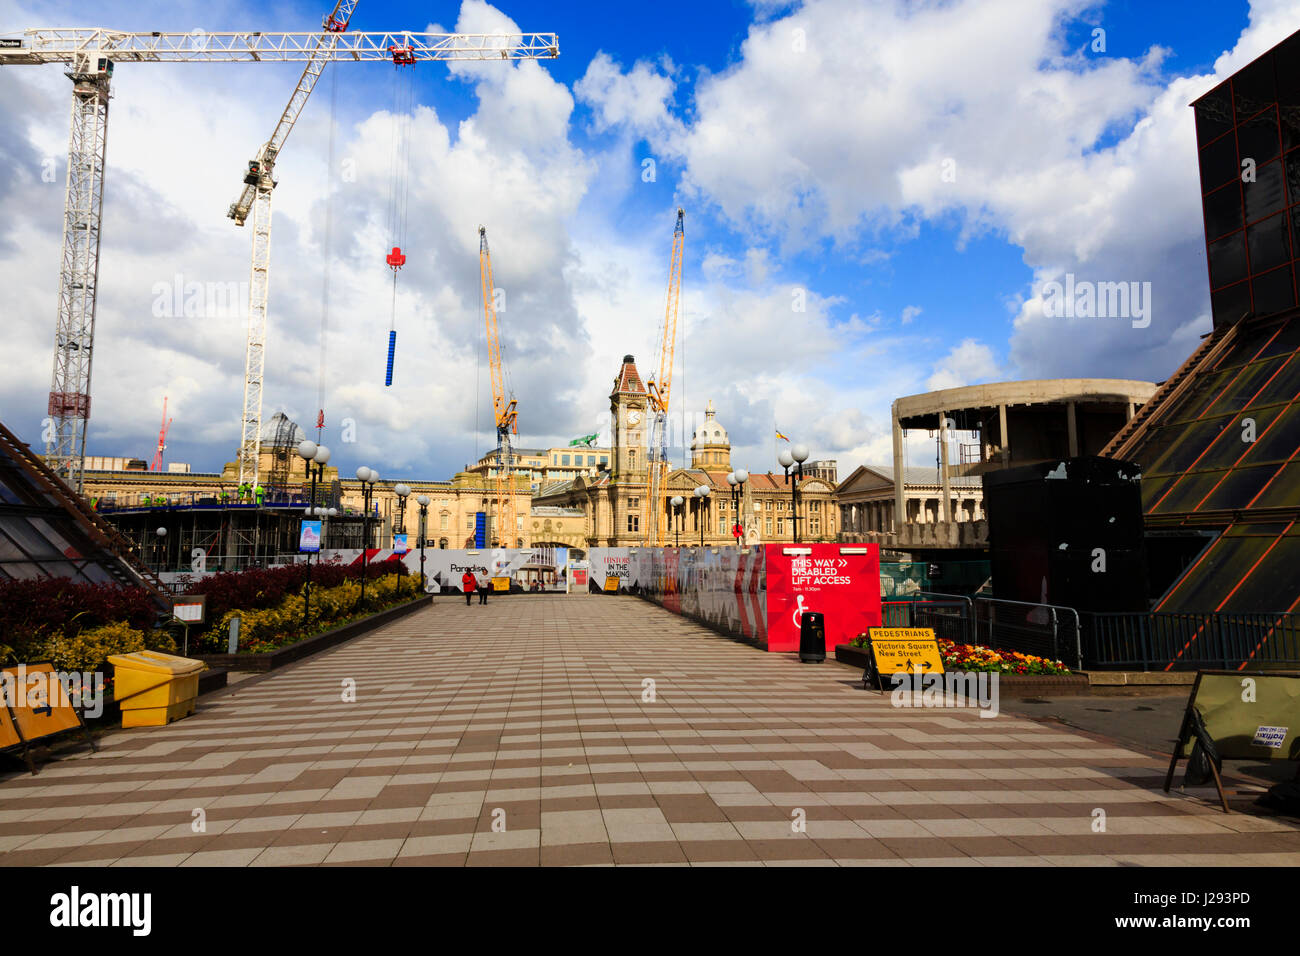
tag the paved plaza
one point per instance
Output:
(517, 734)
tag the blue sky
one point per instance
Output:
(805, 140)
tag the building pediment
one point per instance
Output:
(867, 478)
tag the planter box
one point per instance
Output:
(1009, 685)
(313, 645)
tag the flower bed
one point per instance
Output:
(78, 626)
(268, 629)
(263, 588)
(977, 657)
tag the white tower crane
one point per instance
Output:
(256, 198)
(90, 54)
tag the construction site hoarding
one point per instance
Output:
(761, 593)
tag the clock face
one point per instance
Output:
(634, 418)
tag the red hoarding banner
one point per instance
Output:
(840, 581)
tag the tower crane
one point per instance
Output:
(504, 409)
(659, 386)
(255, 198)
(89, 55)
(156, 464)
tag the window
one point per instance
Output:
(780, 525)
(634, 502)
(769, 508)
(442, 524)
(631, 458)
(769, 524)
(555, 459)
(469, 523)
(604, 459)
(591, 459)
(814, 526)
(633, 522)
(564, 459)
(722, 525)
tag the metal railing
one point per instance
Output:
(1137, 640)
(1045, 630)
(198, 500)
(1168, 640)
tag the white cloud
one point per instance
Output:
(967, 363)
(846, 120)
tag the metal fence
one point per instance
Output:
(1129, 640)
(1187, 641)
(1045, 630)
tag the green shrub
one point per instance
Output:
(89, 649)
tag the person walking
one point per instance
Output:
(484, 585)
(467, 585)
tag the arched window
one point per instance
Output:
(442, 543)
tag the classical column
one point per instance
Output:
(1072, 429)
(900, 505)
(1006, 439)
(945, 513)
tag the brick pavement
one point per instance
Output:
(529, 711)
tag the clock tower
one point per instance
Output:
(629, 409)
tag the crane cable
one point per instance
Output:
(399, 186)
(328, 251)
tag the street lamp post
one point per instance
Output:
(702, 493)
(402, 492)
(678, 501)
(367, 477)
(423, 501)
(737, 481)
(794, 458)
(311, 453)
(162, 548)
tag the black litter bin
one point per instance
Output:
(812, 637)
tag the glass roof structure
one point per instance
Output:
(1219, 444)
(1248, 147)
(46, 530)
(1222, 453)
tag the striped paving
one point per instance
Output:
(522, 733)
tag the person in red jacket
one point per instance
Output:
(467, 584)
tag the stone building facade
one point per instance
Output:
(615, 512)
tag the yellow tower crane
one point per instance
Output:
(655, 520)
(504, 410)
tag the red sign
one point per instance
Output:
(736, 531)
(840, 581)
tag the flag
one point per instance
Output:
(780, 436)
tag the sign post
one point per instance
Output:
(189, 609)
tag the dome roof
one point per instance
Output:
(291, 436)
(710, 432)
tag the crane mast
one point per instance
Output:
(504, 409)
(655, 522)
(255, 197)
(90, 55)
